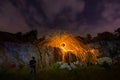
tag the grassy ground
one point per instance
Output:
(80, 73)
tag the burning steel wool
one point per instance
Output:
(68, 44)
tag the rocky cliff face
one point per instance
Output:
(17, 48)
(11, 52)
(107, 48)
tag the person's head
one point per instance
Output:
(33, 57)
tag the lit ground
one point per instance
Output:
(81, 73)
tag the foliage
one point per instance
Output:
(89, 38)
(80, 73)
(104, 36)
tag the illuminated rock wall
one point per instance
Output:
(18, 53)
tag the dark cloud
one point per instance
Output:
(92, 11)
(11, 20)
(53, 7)
(78, 17)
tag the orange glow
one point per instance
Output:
(94, 56)
(67, 43)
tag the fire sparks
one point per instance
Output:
(69, 44)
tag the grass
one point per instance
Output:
(52, 73)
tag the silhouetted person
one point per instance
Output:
(32, 64)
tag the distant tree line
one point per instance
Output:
(19, 36)
(27, 37)
(31, 36)
(104, 36)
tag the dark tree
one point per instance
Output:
(118, 33)
(89, 38)
(105, 36)
(30, 36)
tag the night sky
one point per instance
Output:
(78, 17)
